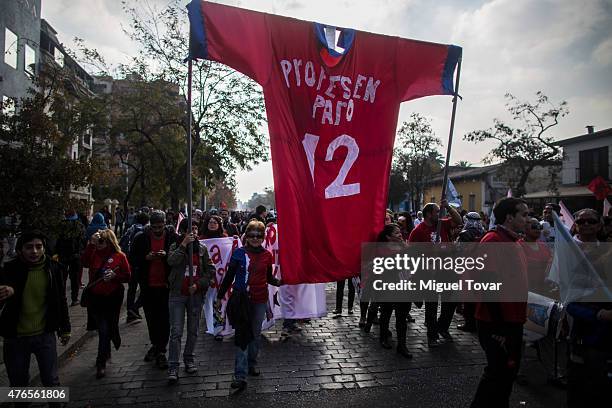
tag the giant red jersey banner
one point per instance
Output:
(332, 119)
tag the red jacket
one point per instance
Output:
(506, 312)
(99, 261)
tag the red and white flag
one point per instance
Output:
(180, 218)
(302, 301)
(220, 252)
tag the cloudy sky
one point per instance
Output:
(562, 47)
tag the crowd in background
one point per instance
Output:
(148, 249)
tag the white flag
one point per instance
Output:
(607, 207)
(568, 218)
(452, 196)
(571, 270)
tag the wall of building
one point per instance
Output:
(22, 17)
(571, 156)
(465, 188)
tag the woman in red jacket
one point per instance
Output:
(108, 270)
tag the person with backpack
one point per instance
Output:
(133, 305)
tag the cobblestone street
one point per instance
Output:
(331, 358)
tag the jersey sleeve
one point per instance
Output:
(233, 36)
(424, 68)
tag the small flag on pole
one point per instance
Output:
(567, 217)
(180, 218)
(452, 196)
(600, 188)
(607, 208)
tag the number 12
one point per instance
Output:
(337, 188)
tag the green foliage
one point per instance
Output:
(227, 110)
(37, 173)
(416, 159)
(527, 145)
(267, 199)
(463, 163)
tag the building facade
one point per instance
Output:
(585, 157)
(19, 47)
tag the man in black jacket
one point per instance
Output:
(148, 254)
(33, 309)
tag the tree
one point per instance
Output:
(221, 193)
(227, 109)
(463, 163)
(38, 173)
(523, 148)
(267, 199)
(417, 159)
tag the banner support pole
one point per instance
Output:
(448, 149)
(189, 187)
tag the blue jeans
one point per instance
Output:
(17, 353)
(248, 357)
(177, 306)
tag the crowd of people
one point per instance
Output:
(148, 251)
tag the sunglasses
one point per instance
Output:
(590, 221)
(255, 235)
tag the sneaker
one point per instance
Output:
(285, 334)
(100, 372)
(337, 312)
(151, 354)
(432, 342)
(403, 351)
(134, 314)
(386, 343)
(161, 361)
(238, 384)
(132, 319)
(173, 376)
(468, 328)
(446, 336)
(191, 367)
(254, 372)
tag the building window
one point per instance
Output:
(30, 60)
(59, 56)
(472, 202)
(593, 163)
(87, 138)
(11, 48)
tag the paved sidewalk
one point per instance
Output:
(331, 358)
